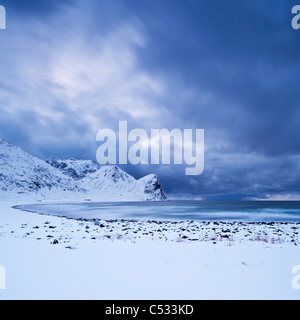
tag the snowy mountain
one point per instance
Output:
(76, 169)
(110, 182)
(23, 176)
(151, 188)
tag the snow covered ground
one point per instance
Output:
(144, 260)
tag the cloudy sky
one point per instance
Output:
(69, 68)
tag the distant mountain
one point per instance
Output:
(23, 176)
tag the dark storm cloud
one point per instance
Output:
(243, 58)
(229, 67)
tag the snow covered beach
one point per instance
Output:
(83, 227)
(48, 257)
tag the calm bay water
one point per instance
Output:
(247, 211)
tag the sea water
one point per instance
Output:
(247, 211)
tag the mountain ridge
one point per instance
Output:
(24, 176)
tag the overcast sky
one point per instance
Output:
(69, 68)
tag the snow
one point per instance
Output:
(22, 174)
(110, 183)
(86, 264)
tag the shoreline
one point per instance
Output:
(67, 230)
